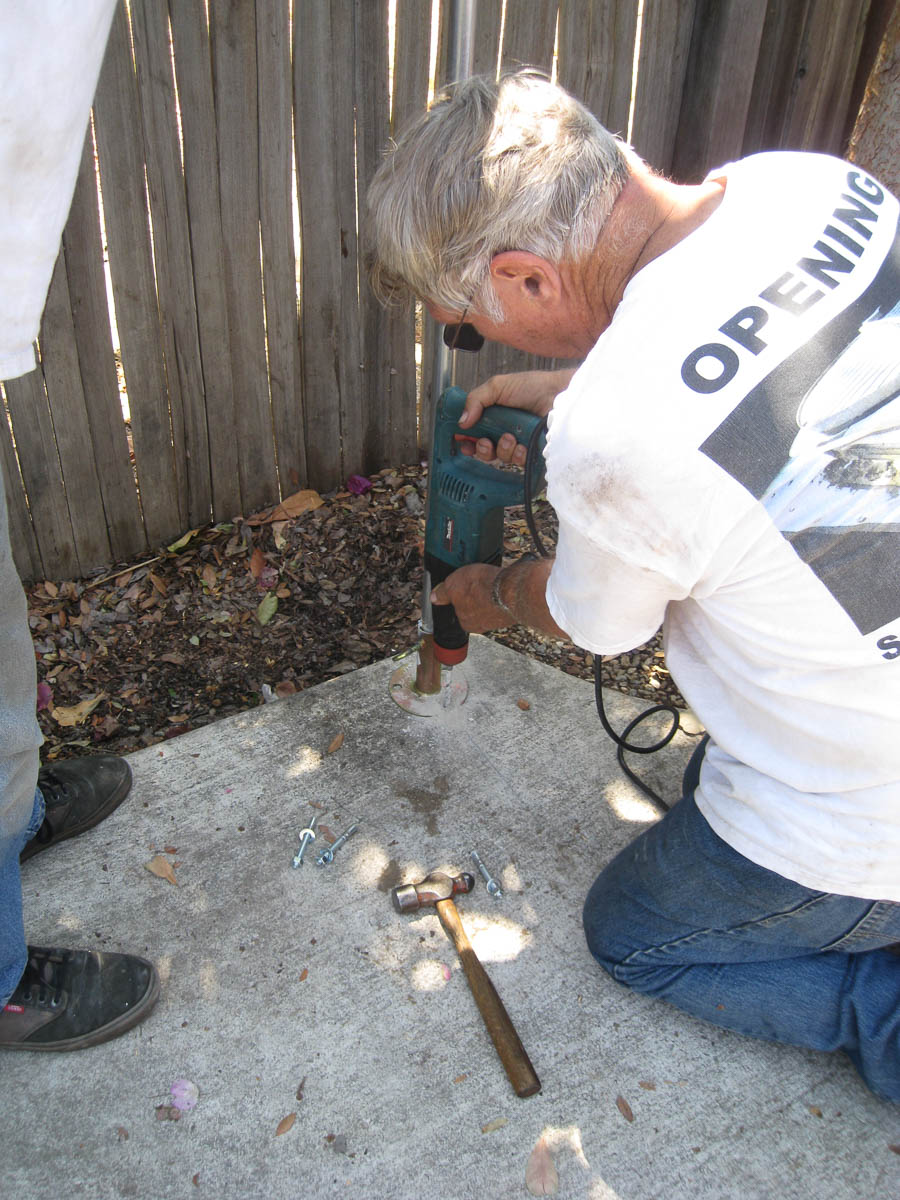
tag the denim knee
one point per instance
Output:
(602, 922)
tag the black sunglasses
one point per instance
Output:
(463, 336)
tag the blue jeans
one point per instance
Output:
(681, 915)
(21, 809)
(13, 952)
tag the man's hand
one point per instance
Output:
(521, 591)
(469, 591)
(532, 391)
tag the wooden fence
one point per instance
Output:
(234, 154)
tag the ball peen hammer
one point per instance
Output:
(438, 889)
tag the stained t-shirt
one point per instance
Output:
(726, 462)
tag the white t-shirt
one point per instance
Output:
(727, 462)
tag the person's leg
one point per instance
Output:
(681, 915)
(50, 999)
(21, 807)
(50, 56)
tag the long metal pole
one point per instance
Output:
(460, 57)
(459, 66)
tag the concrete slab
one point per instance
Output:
(279, 982)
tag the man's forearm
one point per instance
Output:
(519, 590)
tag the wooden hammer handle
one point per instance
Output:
(512, 1053)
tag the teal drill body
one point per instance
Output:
(466, 503)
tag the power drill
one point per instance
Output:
(466, 499)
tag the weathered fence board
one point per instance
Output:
(233, 42)
(529, 36)
(172, 259)
(71, 428)
(39, 463)
(412, 46)
(805, 70)
(120, 150)
(21, 534)
(252, 369)
(720, 73)
(193, 70)
(83, 250)
(273, 53)
(596, 56)
(387, 369)
(332, 346)
(662, 65)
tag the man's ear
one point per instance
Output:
(526, 276)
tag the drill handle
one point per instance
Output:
(451, 642)
(493, 423)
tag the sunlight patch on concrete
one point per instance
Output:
(307, 759)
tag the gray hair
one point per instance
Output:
(517, 164)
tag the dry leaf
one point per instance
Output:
(460, 1078)
(624, 1108)
(267, 608)
(493, 1126)
(524, 705)
(209, 577)
(300, 1088)
(541, 1177)
(167, 1112)
(183, 541)
(78, 713)
(285, 1124)
(647, 1085)
(815, 1110)
(894, 1149)
(158, 583)
(303, 975)
(336, 744)
(162, 868)
(291, 506)
(278, 534)
(172, 656)
(257, 562)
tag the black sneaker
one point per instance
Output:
(69, 999)
(78, 794)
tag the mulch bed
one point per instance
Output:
(256, 609)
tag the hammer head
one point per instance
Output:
(434, 887)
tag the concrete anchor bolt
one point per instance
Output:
(306, 836)
(493, 886)
(327, 853)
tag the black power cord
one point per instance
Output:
(621, 739)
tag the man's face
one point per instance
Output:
(524, 328)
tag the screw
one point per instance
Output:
(307, 835)
(326, 854)
(493, 886)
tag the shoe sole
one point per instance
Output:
(105, 1033)
(115, 799)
